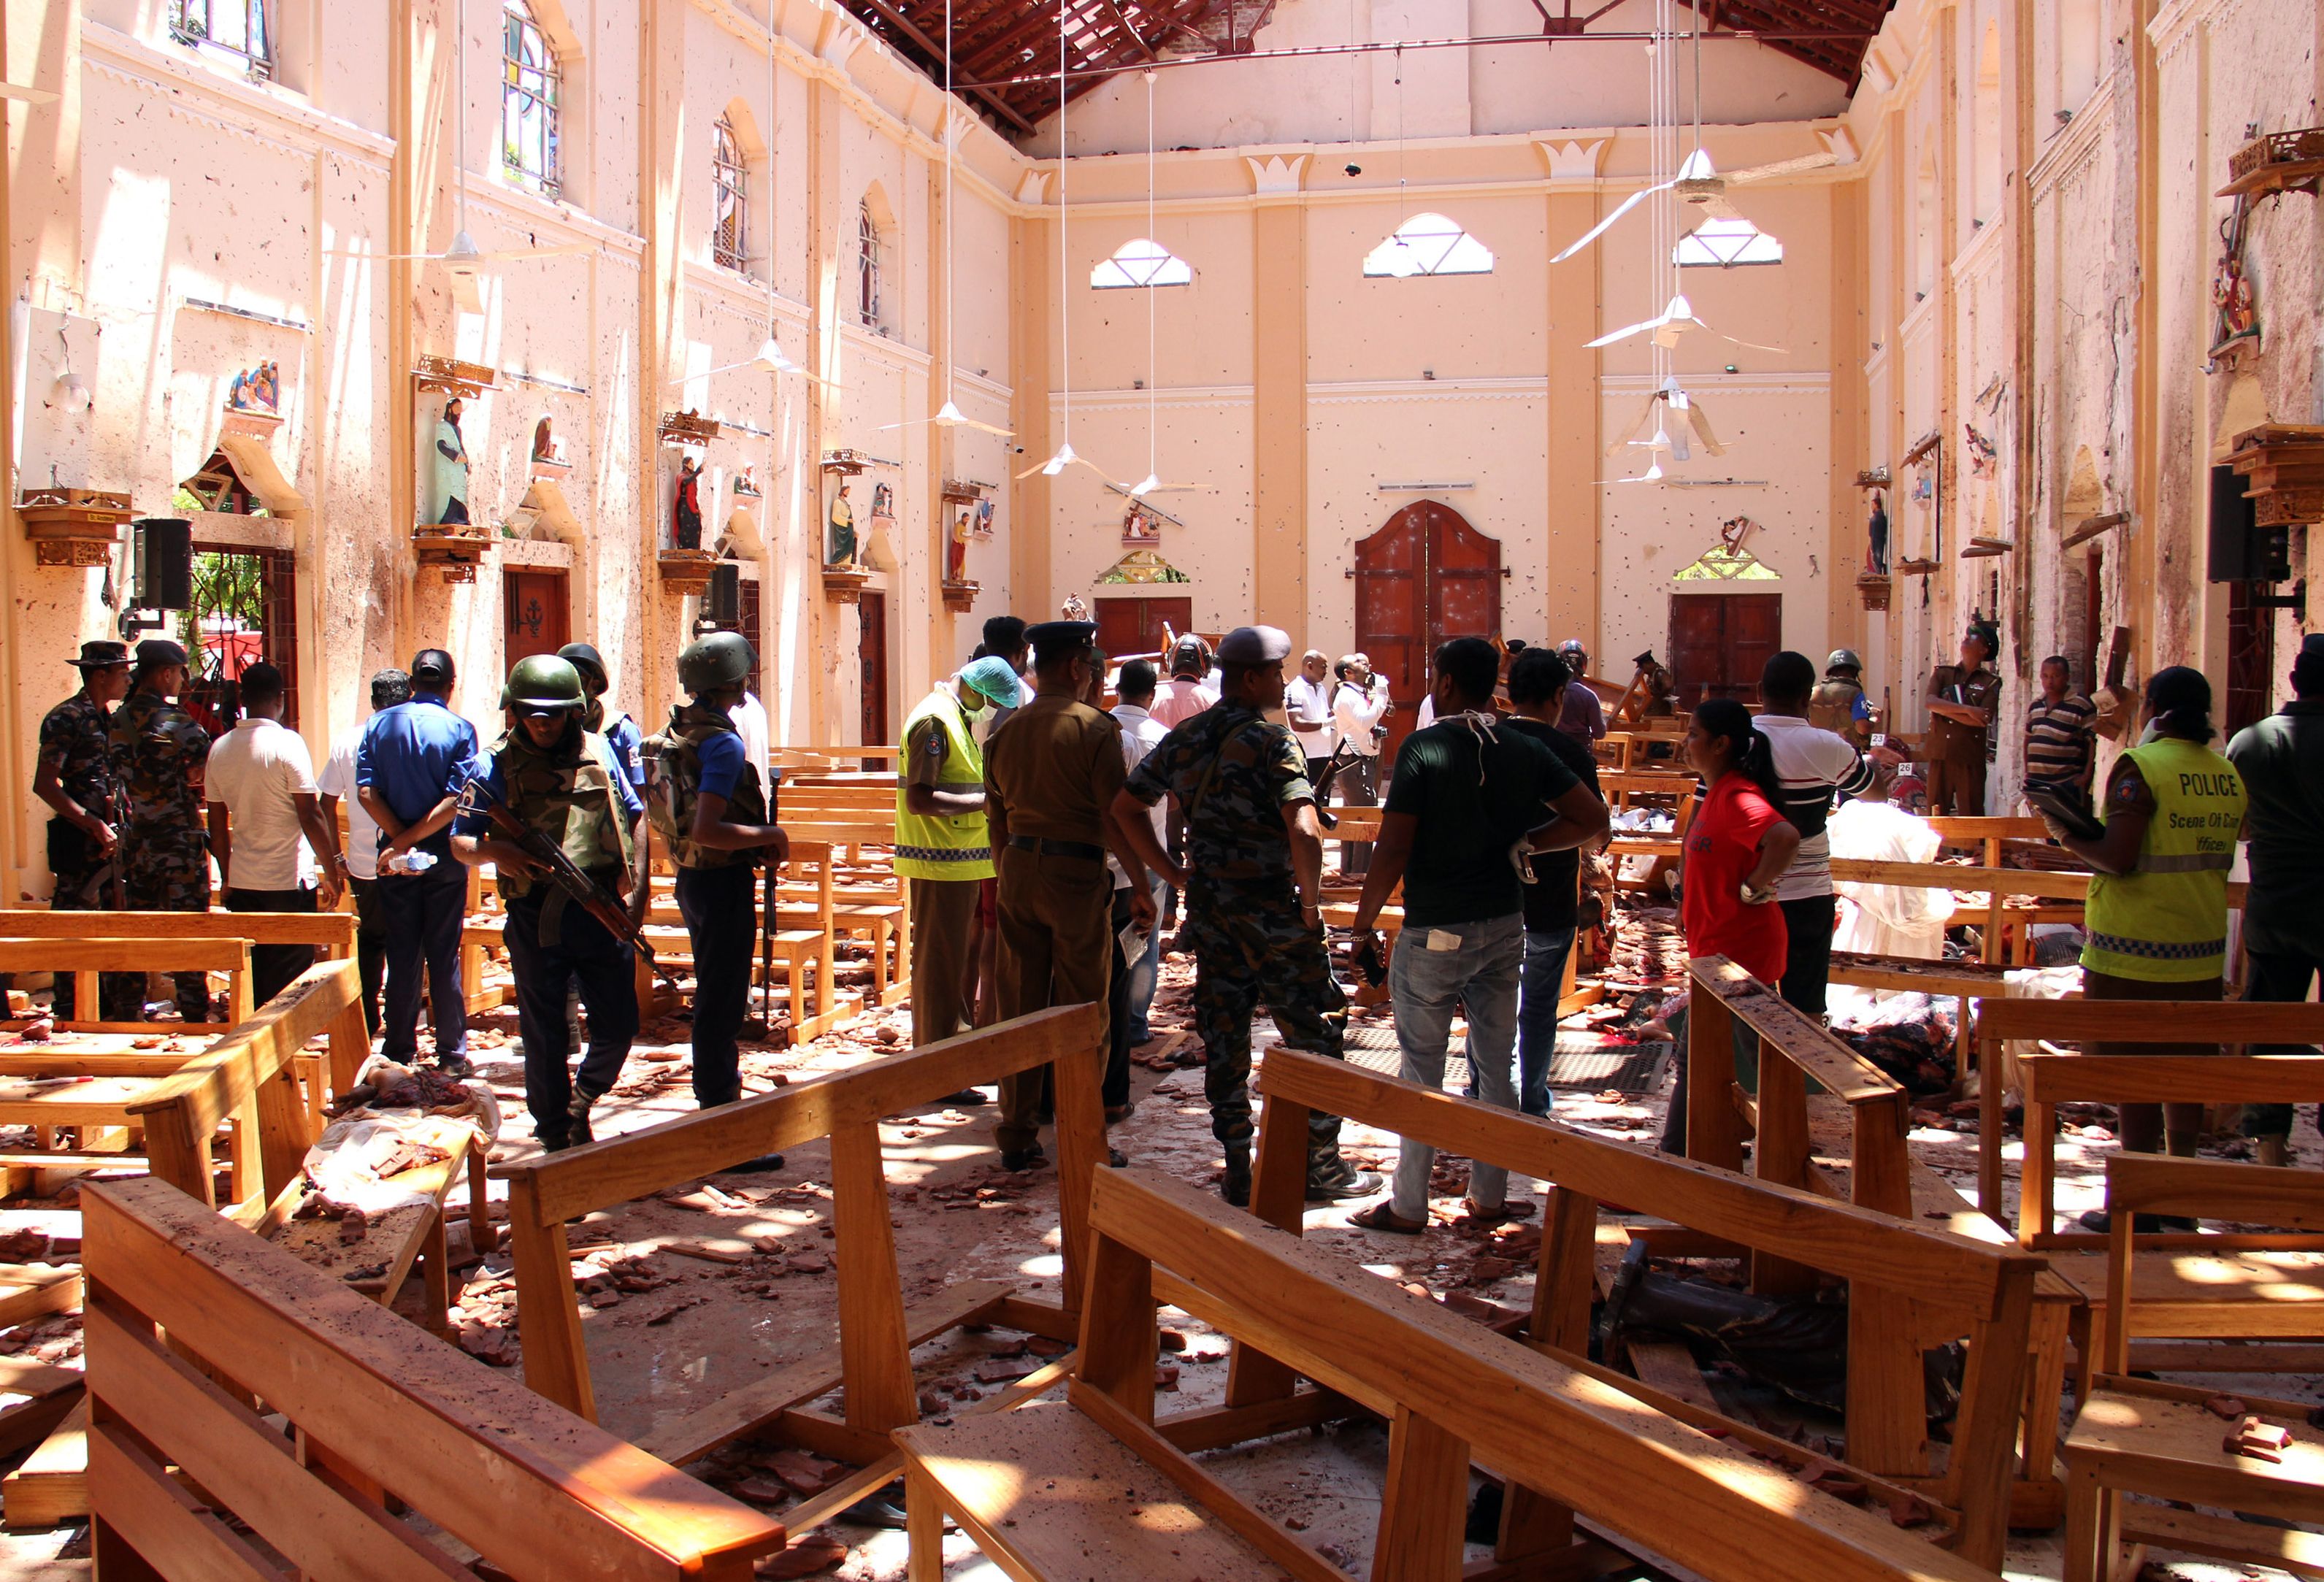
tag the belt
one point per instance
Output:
(1048, 847)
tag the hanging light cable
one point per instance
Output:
(1065, 456)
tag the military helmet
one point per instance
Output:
(718, 660)
(586, 659)
(1843, 659)
(543, 681)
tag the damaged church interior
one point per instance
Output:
(1348, 790)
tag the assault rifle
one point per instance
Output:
(478, 797)
(1343, 757)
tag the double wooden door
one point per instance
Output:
(1135, 626)
(538, 609)
(1425, 577)
(1719, 642)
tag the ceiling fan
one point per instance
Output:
(770, 358)
(1698, 181)
(1680, 415)
(1674, 320)
(464, 260)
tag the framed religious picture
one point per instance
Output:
(1138, 527)
(883, 500)
(983, 527)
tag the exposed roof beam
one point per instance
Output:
(904, 24)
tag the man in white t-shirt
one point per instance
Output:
(359, 863)
(1813, 765)
(1307, 707)
(1359, 703)
(266, 823)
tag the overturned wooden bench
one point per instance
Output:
(380, 1424)
(1094, 1487)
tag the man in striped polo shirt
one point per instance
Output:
(2059, 739)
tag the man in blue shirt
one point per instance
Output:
(408, 771)
(621, 732)
(564, 783)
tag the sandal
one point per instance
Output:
(1475, 1215)
(1381, 1217)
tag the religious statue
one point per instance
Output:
(546, 445)
(883, 502)
(842, 531)
(2235, 304)
(1075, 607)
(258, 388)
(957, 547)
(748, 484)
(983, 528)
(447, 501)
(1879, 529)
(685, 512)
(1138, 527)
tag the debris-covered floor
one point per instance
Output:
(694, 1292)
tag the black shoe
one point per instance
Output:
(1346, 1182)
(1236, 1188)
(456, 1066)
(1115, 1114)
(882, 1507)
(1015, 1159)
(577, 1117)
(2102, 1222)
(764, 1162)
(549, 1144)
(964, 1097)
(1116, 1159)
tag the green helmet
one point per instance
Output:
(544, 682)
(1843, 659)
(721, 659)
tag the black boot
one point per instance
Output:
(1236, 1188)
(577, 1118)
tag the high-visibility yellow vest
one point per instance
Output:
(2167, 922)
(944, 846)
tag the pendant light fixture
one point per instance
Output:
(1065, 456)
(1152, 483)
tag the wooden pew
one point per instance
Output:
(1868, 1109)
(1913, 1285)
(1095, 1486)
(333, 933)
(2138, 1435)
(85, 955)
(876, 1331)
(384, 1417)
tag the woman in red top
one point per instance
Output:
(1735, 848)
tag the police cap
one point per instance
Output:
(100, 655)
(157, 651)
(1059, 639)
(1255, 645)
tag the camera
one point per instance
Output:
(1353, 169)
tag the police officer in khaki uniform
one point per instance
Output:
(1051, 773)
(567, 783)
(1962, 701)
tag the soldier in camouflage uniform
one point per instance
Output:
(75, 779)
(1253, 882)
(159, 757)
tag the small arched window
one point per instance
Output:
(1429, 244)
(1142, 263)
(231, 31)
(730, 227)
(529, 94)
(867, 268)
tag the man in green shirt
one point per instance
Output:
(1466, 795)
(2282, 761)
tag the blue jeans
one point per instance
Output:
(1146, 970)
(1545, 950)
(1479, 972)
(421, 914)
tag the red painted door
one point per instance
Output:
(539, 612)
(873, 652)
(1719, 642)
(1425, 577)
(1127, 627)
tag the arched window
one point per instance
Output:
(232, 32)
(1142, 263)
(1725, 240)
(1429, 244)
(530, 91)
(730, 227)
(867, 267)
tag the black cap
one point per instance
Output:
(431, 665)
(101, 654)
(159, 651)
(1053, 639)
(2313, 643)
(586, 659)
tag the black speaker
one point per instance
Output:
(724, 602)
(165, 563)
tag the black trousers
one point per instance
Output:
(274, 968)
(722, 918)
(1114, 1088)
(587, 955)
(371, 946)
(1807, 959)
(2280, 979)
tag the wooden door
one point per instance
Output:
(539, 612)
(1719, 642)
(1425, 577)
(1134, 626)
(747, 620)
(871, 651)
